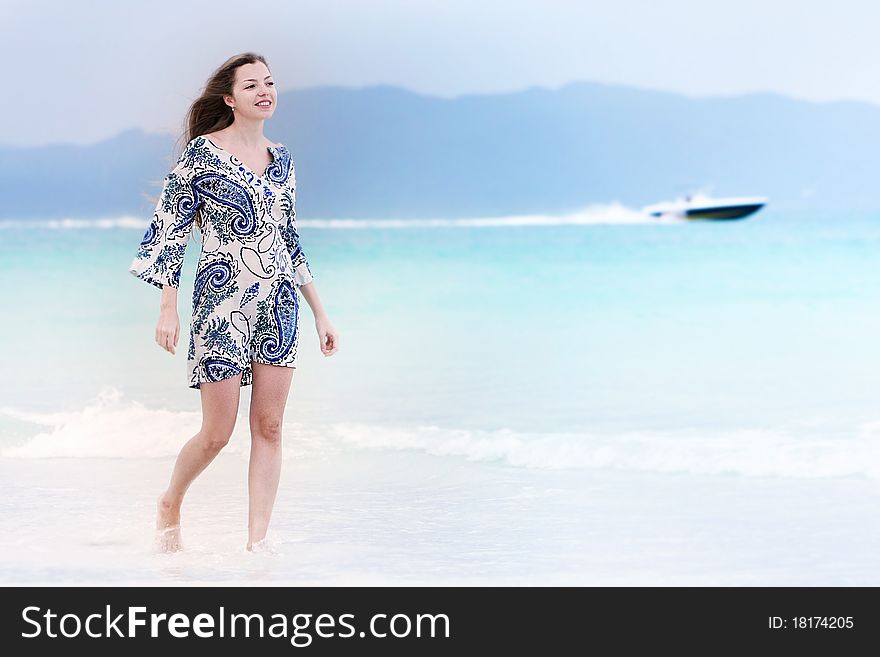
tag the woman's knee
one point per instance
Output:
(266, 428)
(216, 432)
(216, 437)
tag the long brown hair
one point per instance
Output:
(209, 113)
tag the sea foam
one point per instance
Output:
(115, 427)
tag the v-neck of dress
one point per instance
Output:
(272, 151)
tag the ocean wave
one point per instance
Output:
(108, 427)
(114, 427)
(613, 213)
(743, 452)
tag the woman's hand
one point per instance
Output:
(328, 337)
(168, 329)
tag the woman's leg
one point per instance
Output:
(219, 410)
(271, 385)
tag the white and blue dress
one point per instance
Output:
(245, 298)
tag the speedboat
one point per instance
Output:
(704, 207)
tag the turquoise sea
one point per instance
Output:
(595, 398)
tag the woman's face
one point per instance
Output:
(254, 94)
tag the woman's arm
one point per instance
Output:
(168, 326)
(328, 337)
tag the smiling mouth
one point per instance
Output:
(265, 103)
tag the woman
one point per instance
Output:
(240, 190)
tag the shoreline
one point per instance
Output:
(382, 517)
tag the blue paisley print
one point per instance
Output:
(245, 303)
(249, 294)
(276, 322)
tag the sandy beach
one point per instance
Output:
(376, 518)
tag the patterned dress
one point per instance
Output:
(245, 298)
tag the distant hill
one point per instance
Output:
(383, 151)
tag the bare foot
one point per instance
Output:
(264, 545)
(167, 526)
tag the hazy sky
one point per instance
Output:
(83, 71)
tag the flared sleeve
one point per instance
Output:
(302, 274)
(160, 255)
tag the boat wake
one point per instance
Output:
(599, 214)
